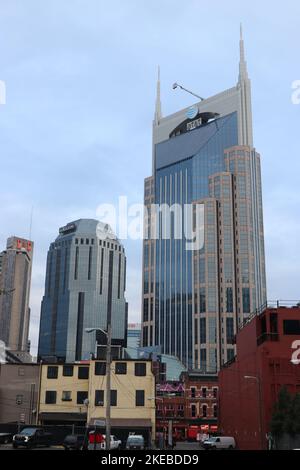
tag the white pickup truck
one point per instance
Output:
(114, 443)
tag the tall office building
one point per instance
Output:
(203, 158)
(85, 281)
(15, 281)
(134, 335)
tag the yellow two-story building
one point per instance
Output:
(76, 394)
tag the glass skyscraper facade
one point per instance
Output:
(194, 300)
(85, 278)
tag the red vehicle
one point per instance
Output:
(192, 433)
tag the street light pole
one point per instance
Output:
(108, 335)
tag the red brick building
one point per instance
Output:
(250, 383)
(191, 404)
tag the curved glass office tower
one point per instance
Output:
(203, 157)
(86, 272)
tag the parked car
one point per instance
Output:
(101, 442)
(135, 441)
(32, 437)
(219, 442)
(5, 438)
(74, 442)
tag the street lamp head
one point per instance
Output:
(175, 85)
(90, 330)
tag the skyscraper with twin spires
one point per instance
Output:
(194, 301)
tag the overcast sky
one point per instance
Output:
(76, 128)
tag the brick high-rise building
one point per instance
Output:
(15, 281)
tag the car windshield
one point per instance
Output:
(135, 439)
(28, 431)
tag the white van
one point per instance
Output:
(219, 442)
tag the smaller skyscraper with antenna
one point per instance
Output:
(15, 281)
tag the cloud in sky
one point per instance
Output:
(80, 89)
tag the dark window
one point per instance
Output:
(66, 396)
(145, 336)
(230, 354)
(100, 368)
(113, 398)
(229, 330)
(101, 269)
(81, 396)
(119, 276)
(204, 392)
(193, 392)
(68, 371)
(139, 398)
(140, 369)
(215, 411)
(146, 303)
(204, 411)
(202, 330)
(90, 262)
(291, 327)
(83, 372)
(19, 399)
(194, 411)
(121, 368)
(76, 263)
(229, 300)
(99, 397)
(50, 398)
(52, 372)
(79, 333)
(246, 300)
(274, 323)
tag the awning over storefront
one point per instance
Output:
(69, 417)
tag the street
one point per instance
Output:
(179, 446)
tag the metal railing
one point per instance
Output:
(269, 305)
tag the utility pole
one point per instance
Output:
(108, 380)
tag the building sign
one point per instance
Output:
(193, 121)
(192, 112)
(194, 124)
(69, 228)
(23, 244)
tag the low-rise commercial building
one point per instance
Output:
(191, 405)
(76, 393)
(250, 383)
(19, 384)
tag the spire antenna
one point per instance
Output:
(158, 113)
(243, 64)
